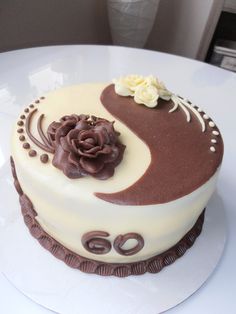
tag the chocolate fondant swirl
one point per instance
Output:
(84, 146)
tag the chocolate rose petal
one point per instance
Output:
(83, 144)
(65, 144)
(84, 116)
(73, 134)
(102, 138)
(72, 172)
(74, 160)
(107, 172)
(82, 125)
(60, 161)
(91, 153)
(121, 148)
(60, 156)
(63, 130)
(88, 134)
(109, 154)
(51, 131)
(73, 117)
(90, 141)
(105, 126)
(91, 165)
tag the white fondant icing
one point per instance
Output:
(213, 140)
(212, 148)
(68, 208)
(215, 132)
(212, 124)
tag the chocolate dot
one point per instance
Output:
(44, 158)
(32, 153)
(37, 101)
(26, 110)
(22, 138)
(26, 145)
(31, 106)
(20, 130)
(20, 123)
(22, 116)
(42, 97)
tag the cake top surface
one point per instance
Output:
(166, 149)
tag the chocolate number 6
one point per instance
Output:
(93, 243)
(96, 245)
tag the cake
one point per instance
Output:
(114, 179)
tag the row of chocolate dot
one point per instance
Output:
(32, 153)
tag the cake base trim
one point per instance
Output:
(151, 265)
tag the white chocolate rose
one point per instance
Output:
(151, 80)
(147, 95)
(126, 86)
(162, 90)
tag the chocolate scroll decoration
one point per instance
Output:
(46, 145)
(122, 239)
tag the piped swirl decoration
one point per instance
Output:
(82, 145)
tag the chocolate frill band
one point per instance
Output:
(151, 265)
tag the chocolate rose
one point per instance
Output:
(85, 146)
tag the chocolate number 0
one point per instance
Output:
(120, 240)
(93, 242)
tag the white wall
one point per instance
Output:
(185, 27)
(181, 27)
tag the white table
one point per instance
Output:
(29, 73)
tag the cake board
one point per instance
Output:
(52, 284)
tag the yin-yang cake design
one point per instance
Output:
(114, 179)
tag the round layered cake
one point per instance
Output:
(113, 179)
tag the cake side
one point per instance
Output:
(74, 260)
(69, 210)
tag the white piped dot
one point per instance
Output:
(212, 148)
(215, 132)
(211, 124)
(213, 141)
(205, 116)
(199, 110)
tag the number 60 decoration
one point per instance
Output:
(95, 242)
